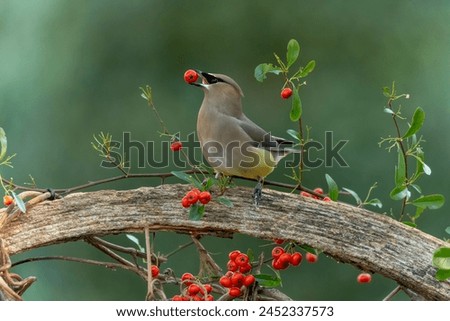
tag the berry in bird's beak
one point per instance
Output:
(190, 76)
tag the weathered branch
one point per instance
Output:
(371, 241)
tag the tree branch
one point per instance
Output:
(373, 242)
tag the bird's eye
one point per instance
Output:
(213, 80)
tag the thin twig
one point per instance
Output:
(108, 265)
(149, 264)
(393, 293)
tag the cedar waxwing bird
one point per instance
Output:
(231, 143)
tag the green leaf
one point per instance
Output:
(333, 190)
(412, 224)
(417, 188)
(224, 201)
(442, 275)
(293, 50)
(294, 134)
(421, 167)
(388, 111)
(188, 178)
(354, 194)
(19, 202)
(399, 193)
(309, 249)
(447, 230)
(262, 69)
(135, 240)
(375, 202)
(441, 258)
(196, 212)
(417, 122)
(3, 143)
(400, 170)
(268, 281)
(387, 92)
(419, 211)
(296, 109)
(432, 201)
(305, 71)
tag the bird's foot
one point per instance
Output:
(257, 194)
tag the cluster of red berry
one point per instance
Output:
(194, 196)
(282, 259)
(317, 190)
(7, 200)
(236, 277)
(193, 290)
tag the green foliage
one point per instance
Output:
(408, 147)
(294, 81)
(333, 190)
(4, 159)
(196, 212)
(268, 281)
(19, 202)
(135, 240)
(417, 122)
(441, 260)
(188, 178)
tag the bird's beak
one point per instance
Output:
(201, 79)
(205, 79)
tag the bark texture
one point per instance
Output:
(373, 242)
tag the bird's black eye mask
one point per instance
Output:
(211, 79)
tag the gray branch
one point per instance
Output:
(373, 242)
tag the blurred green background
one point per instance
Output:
(70, 69)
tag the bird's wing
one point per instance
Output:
(261, 137)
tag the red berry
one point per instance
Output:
(278, 241)
(225, 281)
(286, 93)
(177, 298)
(278, 265)
(185, 202)
(197, 298)
(311, 258)
(192, 196)
(305, 194)
(193, 289)
(204, 197)
(190, 76)
(277, 251)
(186, 277)
(285, 258)
(229, 274)
(245, 268)
(318, 190)
(234, 292)
(155, 271)
(249, 280)
(7, 200)
(364, 278)
(232, 266)
(241, 259)
(237, 279)
(208, 288)
(296, 258)
(176, 146)
(233, 254)
(209, 297)
(326, 199)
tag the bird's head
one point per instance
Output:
(218, 84)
